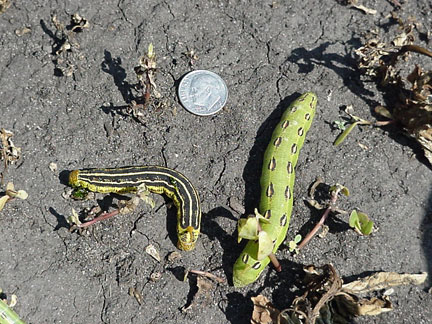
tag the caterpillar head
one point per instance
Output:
(187, 238)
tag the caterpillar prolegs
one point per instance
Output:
(277, 182)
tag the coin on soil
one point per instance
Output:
(202, 92)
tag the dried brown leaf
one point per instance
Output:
(153, 252)
(365, 9)
(173, 256)
(383, 111)
(4, 4)
(204, 285)
(3, 201)
(135, 293)
(22, 31)
(352, 306)
(202, 294)
(263, 312)
(9, 152)
(383, 280)
(315, 204)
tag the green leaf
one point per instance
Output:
(265, 245)
(340, 188)
(260, 217)
(292, 246)
(150, 51)
(248, 228)
(366, 225)
(79, 194)
(297, 238)
(367, 228)
(340, 125)
(353, 219)
(361, 223)
(345, 191)
(345, 133)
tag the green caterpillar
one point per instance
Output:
(277, 182)
(7, 315)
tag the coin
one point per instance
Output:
(202, 92)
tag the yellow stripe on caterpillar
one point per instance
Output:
(157, 179)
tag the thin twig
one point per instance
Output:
(384, 122)
(147, 90)
(98, 219)
(396, 3)
(208, 275)
(334, 197)
(409, 48)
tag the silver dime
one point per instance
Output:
(202, 92)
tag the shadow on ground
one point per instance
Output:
(427, 238)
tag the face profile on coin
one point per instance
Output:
(202, 92)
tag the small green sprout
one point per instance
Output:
(338, 188)
(361, 223)
(79, 194)
(341, 125)
(345, 133)
(292, 245)
(347, 130)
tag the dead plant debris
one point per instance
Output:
(411, 103)
(22, 31)
(4, 5)
(191, 57)
(202, 294)
(153, 252)
(9, 153)
(95, 214)
(136, 294)
(65, 47)
(10, 194)
(356, 5)
(146, 73)
(327, 300)
(359, 221)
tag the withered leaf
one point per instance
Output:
(352, 306)
(263, 312)
(383, 280)
(153, 252)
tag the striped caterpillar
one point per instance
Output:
(277, 182)
(156, 179)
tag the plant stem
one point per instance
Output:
(147, 92)
(98, 219)
(384, 122)
(275, 262)
(208, 275)
(334, 197)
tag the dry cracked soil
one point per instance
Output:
(68, 106)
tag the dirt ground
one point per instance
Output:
(70, 109)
